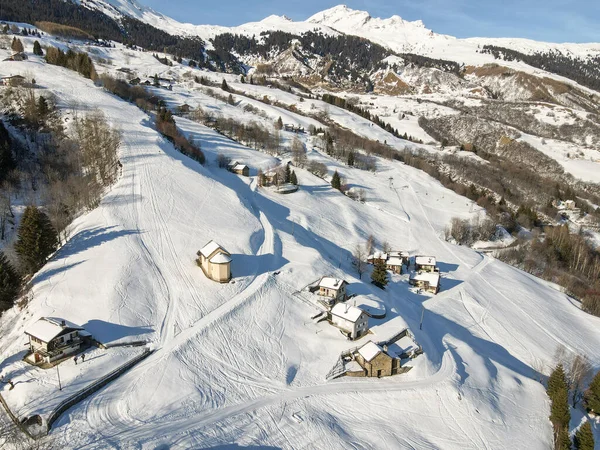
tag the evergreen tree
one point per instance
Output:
(592, 395)
(557, 380)
(37, 49)
(231, 100)
(225, 86)
(294, 179)
(288, 174)
(37, 240)
(351, 158)
(156, 83)
(43, 108)
(560, 415)
(7, 162)
(336, 181)
(242, 79)
(379, 276)
(562, 440)
(10, 283)
(584, 437)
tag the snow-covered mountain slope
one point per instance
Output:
(413, 37)
(242, 363)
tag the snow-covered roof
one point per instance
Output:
(398, 254)
(346, 311)
(210, 248)
(394, 261)
(370, 350)
(239, 166)
(433, 278)
(331, 283)
(378, 255)
(220, 258)
(425, 260)
(401, 347)
(47, 328)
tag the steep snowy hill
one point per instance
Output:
(244, 363)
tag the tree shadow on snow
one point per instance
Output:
(46, 274)
(90, 238)
(107, 332)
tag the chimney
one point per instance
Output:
(63, 323)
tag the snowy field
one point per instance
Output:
(242, 362)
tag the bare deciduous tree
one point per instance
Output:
(358, 259)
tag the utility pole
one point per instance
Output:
(422, 316)
(58, 373)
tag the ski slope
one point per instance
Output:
(240, 362)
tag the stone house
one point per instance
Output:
(215, 262)
(51, 339)
(425, 264)
(353, 321)
(428, 281)
(375, 361)
(333, 289)
(394, 264)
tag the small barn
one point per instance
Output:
(425, 264)
(353, 321)
(20, 56)
(333, 289)
(239, 168)
(428, 281)
(13, 80)
(51, 339)
(215, 262)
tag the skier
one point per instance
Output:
(75, 359)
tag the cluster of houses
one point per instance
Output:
(426, 275)
(51, 340)
(293, 128)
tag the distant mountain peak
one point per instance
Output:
(273, 19)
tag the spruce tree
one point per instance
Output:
(10, 283)
(560, 414)
(37, 49)
(556, 381)
(225, 86)
(584, 437)
(37, 240)
(288, 174)
(351, 158)
(336, 181)
(592, 395)
(379, 276)
(293, 178)
(7, 162)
